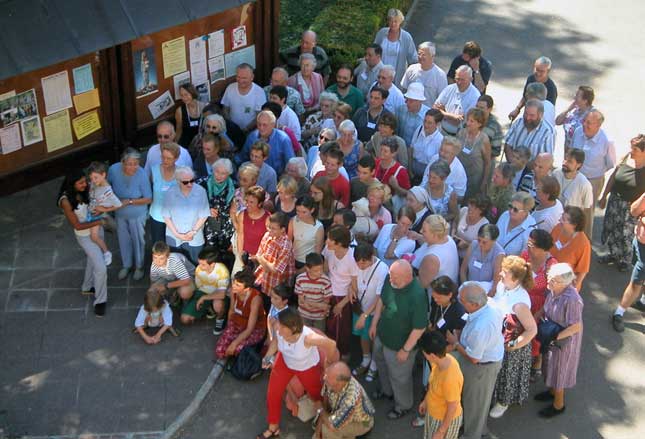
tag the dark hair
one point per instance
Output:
(67, 188)
(160, 248)
(472, 49)
(444, 286)
(306, 201)
(283, 291)
(506, 170)
(280, 219)
(345, 66)
(433, 342)
(210, 255)
(279, 90)
(245, 65)
(384, 93)
(190, 88)
(541, 239)
(290, 318)
(408, 212)
(488, 231)
(550, 186)
(336, 154)
(488, 99)
(328, 146)
(577, 154)
(638, 142)
(97, 167)
(256, 192)
(377, 49)
(481, 202)
(314, 260)
(576, 217)
(389, 120)
(274, 108)
(363, 252)
(587, 93)
(340, 235)
(391, 143)
(435, 114)
(245, 277)
(348, 215)
(367, 161)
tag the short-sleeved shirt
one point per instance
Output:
(153, 158)
(457, 178)
(434, 81)
(576, 191)
(341, 271)
(354, 97)
(177, 268)
(424, 147)
(451, 318)
(514, 241)
(457, 102)
(551, 89)
(505, 300)
(445, 386)
(365, 124)
(396, 170)
(538, 140)
(575, 251)
(313, 292)
(600, 153)
(365, 76)
(482, 269)
(185, 211)
(485, 68)
(293, 99)
(404, 246)
(280, 149)
(130, 187)
(163, 315)
(482, 336)
(340, 186)
(243, 108)
(370, 283)
(404, 310)
(279, 252)
(408, 123)
(217, 280)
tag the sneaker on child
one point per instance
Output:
(108, 257)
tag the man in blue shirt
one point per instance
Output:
(481, 349)
(281, 149)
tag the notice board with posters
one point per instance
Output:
(198, 52)
(53, 111)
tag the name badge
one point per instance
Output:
(371, 125)
(441, 323)
(165, 188)
(534, 275)
(558, 245)
(477, 264)
(467, 150)
(464, 317)
(364, 76)
(194, 123)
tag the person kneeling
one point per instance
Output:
(246, 318)
(154, 313)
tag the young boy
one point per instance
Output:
(102, 200)
(171, 274)
(275, 259)
(358, 185)
(313, 289)
(339, 184)
(280, 296)
(211, 281)
(288, 117)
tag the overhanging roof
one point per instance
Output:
(38, 33)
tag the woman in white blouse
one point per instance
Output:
(393, 241)
(471, 218)
(549, 210)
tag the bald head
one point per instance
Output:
(592, 122)
(543, 165)
(472, 296)
(337, 375)
(400, 274)
(308, 41)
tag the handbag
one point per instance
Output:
(248, 364)
(512, 328)
(357, 306)
(547, 332)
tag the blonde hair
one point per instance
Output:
(382, 189)
(289, 184)
(437, 225)
(519, 269)
(249, 169)
(171, 147)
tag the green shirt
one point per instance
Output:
(404, 310)
(354, 98)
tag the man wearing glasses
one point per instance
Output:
(165, 134)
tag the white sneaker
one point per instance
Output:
(498, 410)
(108, 257)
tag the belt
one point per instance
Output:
(485, 363)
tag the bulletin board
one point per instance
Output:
(74, 114)
(161, 60)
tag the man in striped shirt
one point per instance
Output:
(530, 131)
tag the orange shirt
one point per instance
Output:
(575, 251)
(444, 387)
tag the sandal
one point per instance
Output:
(272, 433)
(360, 370)
(371, 375)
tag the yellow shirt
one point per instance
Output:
(218, 279)
(444, 387)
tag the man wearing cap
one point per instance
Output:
(410, 116)
(427, 73)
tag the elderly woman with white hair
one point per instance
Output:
(351, 147)
(297, 169)
(308, 83)
(563, 307)
(398, 46)
(185, 210)
(313, 124)
(215, 125)
(131, 184)
(220, 189)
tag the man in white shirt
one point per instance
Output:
(165, 134)
(456, 99)
(385, 80)
(426, 72)
(288, 117)
(425, 143)
(367, 71)
(450, 148)
(530, 131)
(575, 189)
(243, 99)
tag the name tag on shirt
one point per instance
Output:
(558, 245)
(371, 125)
(464, 317)
(194, 123)
(467, 150)
(364, 76)
(477, 264)
(441, 323)
(165, 188)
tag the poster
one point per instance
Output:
(86, 101)
(8, 94)
(18, 107)
(83, 80)
(86, 124)
(198, 66)
(216, 67)
(31, 131)
(204, 91)
(234, 59)
(182, 78)
(160, 105)
(238, 37)
(56, 92)
(145, 72)
(173, 53)
(58, 131)
(216, 43)
(10, 139)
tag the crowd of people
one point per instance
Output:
(389, 210)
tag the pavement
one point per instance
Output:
(67, 374)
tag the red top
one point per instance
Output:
(340, 186)
(400, 173)
(242, 311)
(254, 230)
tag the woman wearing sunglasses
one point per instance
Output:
(313, 125)
(515, 224)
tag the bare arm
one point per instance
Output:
(569, 331)
(73, 219)
(320, 341)
(523, 313)
(428, 270)
(463, 270)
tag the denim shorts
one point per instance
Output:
(638, 273)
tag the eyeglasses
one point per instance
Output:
(187, 182)
(326, 139)
(212, 127)
(163, 136)
(515, 209)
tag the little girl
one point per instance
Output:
(101, 196)
(154, 313)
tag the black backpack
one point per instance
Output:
(247, 364)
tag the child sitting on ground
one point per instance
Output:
(212, 281)
(154, 313)
(313, 289)
(102, 200)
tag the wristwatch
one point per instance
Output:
(130, 201)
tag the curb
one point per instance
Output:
(410, 13)
(195, 404)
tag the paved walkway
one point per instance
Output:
(64, 371)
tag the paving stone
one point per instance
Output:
(68, 298)
(26, 300)
(40, 257)
(31, 278)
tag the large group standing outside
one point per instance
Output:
(389, 209)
